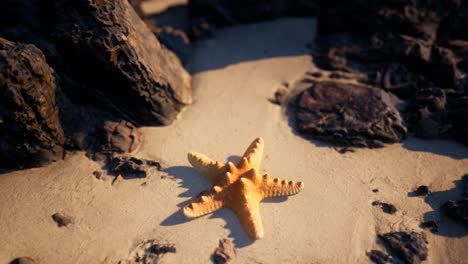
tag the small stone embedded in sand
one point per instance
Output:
(408, 247)
(132, 167)
(456, 210)
(422, 190)
(97, 174)
(23, 260)
(225, 253)
(349, 114)
(375, 190)
(148, 252)
(386, 207)
(119, 137)
(432, 225)
(62, 219)
(378, 257)
(280, 96)
(239, 188)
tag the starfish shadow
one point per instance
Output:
(195, 184)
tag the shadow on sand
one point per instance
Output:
(446, 226)
(195, 183)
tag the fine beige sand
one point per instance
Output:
(234, 75)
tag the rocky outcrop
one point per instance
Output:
(30, 131)
(348, 114)
(413, 49)
(228, 12)
(119, 63)
(409, 247)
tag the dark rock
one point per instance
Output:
(422, 190)
(431, 225)
(280, 97)
(175, 40)
(119, 137)
(408, 247)
(465, 185)
(132, 167)
(97, 174)
(119, 63)
(386, 207)
(456, 210)
(378, 257)
(61, 219)
(225, 252)
(228, 12)
(30, 131)
(149, 251)
(458, 117)
(375, 190)
(22, 260)
(349, 114)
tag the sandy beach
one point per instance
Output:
(234, 74)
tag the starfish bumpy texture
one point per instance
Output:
(239, 188)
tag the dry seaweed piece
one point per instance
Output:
(349, 114)
(225, 252)
(30, 130)
(408, 247)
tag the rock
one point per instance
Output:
(30, 131)
(118, 63)
(147, 252)
(378, 257)
(465, 185)
(430, 225)
(23, 260)
(97, 174)
(225, 252)
(61, 219)
(386, 207)
(132, 167)
(119, 137)
(422, 190)
(349, 114)
(408, 247)
(458, 118)
(226, 12)
(456, 210)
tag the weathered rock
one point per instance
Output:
(225, 252)
(408, 247)
(62, 219)
(30, 131)
(119, 137)
(422, 190)
(386, 207)
(119, 63)
(378, 257)
(228, 12)
(432, 225)
(458, 117)
(147, 252)
(349, 114)
(457, 210)
(132, 167)
(23, 260)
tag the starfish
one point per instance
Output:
(238, 187)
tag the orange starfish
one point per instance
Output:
(239, 188)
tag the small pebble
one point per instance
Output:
(422, 190)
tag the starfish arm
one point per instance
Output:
(277, 187)
(206, 166)
(247, 209)
(254, 153)
(203, 205)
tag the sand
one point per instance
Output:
(234, 75)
